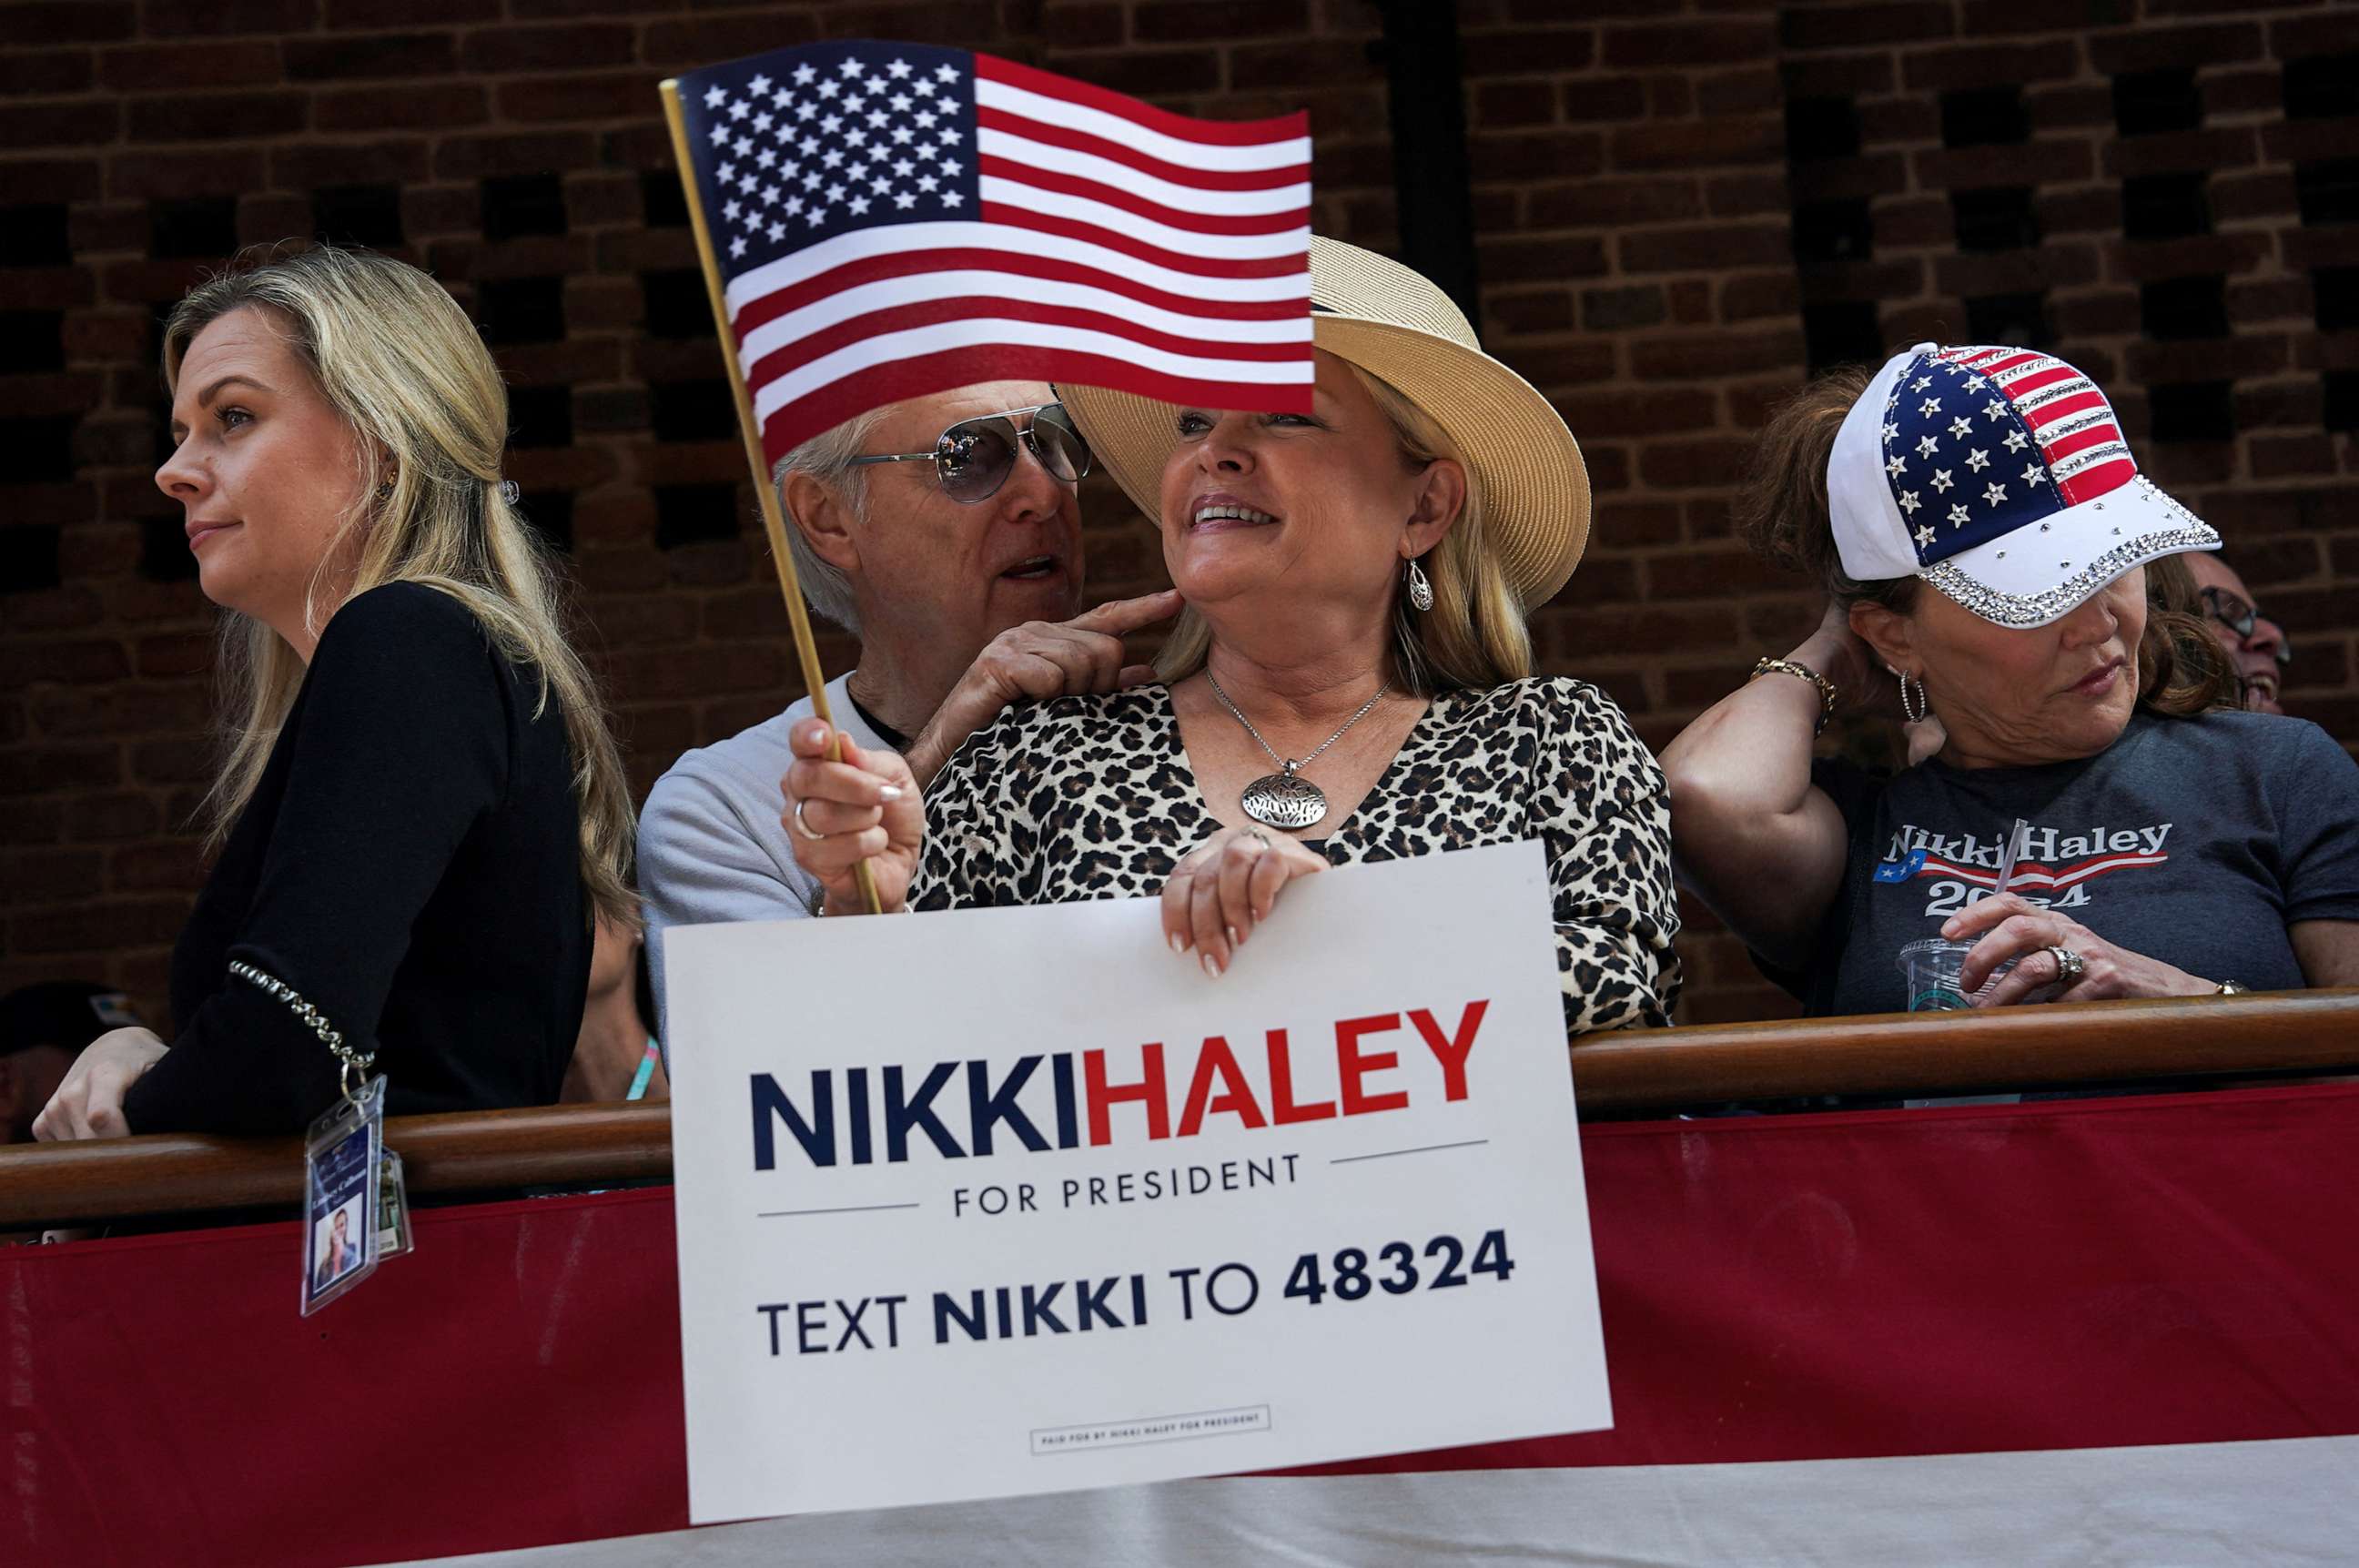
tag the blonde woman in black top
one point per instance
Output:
(1352, 682)
(421, 808)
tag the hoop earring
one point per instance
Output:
(1923, 707)
(1420, 589)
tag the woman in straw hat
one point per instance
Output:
(1351, 681)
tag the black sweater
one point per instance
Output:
(409, 864)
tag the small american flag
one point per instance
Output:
(893, 219)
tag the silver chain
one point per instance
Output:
(1288, 765)
(356, 1063)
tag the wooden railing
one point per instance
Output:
(1887, 1055)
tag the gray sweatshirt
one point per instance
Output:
(712, 847)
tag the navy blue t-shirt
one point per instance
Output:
(2191, 840)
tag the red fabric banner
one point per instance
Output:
(2068, 1274)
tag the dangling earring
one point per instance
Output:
(1421, 590)
(1914, 714)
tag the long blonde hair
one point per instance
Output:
(1474, 637)
(396, 357)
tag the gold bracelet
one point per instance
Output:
(1765, 665)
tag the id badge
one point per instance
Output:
(392, 1209)
(343, 1156)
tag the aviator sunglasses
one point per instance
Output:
(973, 458)
(2240, 618)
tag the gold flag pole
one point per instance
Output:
(774, 520)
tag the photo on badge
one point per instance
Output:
(343, 1156)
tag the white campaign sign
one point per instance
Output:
(1013, 1200)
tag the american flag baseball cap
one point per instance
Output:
(2000, 476)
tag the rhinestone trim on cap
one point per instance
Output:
(2025, 610)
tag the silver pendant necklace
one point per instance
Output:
(1285, 799)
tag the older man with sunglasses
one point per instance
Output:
(2256, 645)
(945, 533)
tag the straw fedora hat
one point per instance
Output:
(1390, 321)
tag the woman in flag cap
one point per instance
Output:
(1351, 681)
(1983, 535)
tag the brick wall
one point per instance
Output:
(1679, 210)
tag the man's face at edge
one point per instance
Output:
(957, 573)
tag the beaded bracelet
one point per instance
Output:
(1767, 666)
(355, 1062)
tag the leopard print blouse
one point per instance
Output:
(1092, 798)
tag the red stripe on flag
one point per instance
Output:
(1239, 132)
(802, 351)
(1298, 264)
(1139, 206)
(2079, 441)
(2025, 386)
(916, 263)
(2002, 361)
(2049, 413)
(2092, 482)
(1072, 140)
(923, 374)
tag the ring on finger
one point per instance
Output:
(801, 826)
(2069, 965)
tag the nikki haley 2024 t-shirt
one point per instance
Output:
(2191, 840)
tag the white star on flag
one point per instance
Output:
(1994, 493)
(2015, 440)
(1896, 466)
(737, 247)
(803, 75)
(2031, 474)
(1908, 502)
(714, 98)
(759, 85)
(1975, 383)
(1978, 460)
(1924, 535)
(1930, 405)
(1996, 409)
(898, 70)
(1926, 446)
(1958, 515)
(1959, 427)
(1920, 383)
(1891, 432)
(1941, 480)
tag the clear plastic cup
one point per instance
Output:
(1932, 967)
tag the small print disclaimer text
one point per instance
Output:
(1150, 1429)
